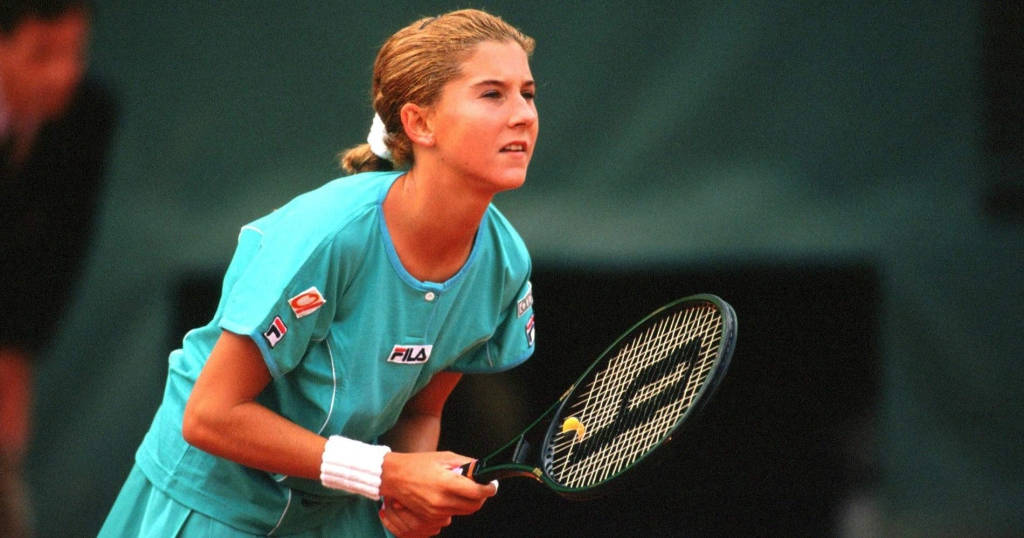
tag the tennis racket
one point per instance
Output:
(630, 402)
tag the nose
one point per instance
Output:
(524, 112)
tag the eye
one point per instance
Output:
(491, 94)
(529, 95)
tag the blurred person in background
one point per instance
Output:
(55, 127)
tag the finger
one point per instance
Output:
(471, 490)
(414, 522)
(405, 525)
(396, 519)
(462, 506)
(422, 528)
(388, 520)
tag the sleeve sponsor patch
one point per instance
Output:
(526, 302)
(307, 302)
(531, 332)
(275, 332)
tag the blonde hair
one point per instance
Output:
(413, 66)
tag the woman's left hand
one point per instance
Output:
(405, 523)
(426, 483)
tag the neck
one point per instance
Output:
(433, 223)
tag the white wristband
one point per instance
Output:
(352, 466)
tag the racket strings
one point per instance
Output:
(650, 427)
(620, 428)
(615, 455)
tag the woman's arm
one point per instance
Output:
(223, 418)
(419, 427)
(408, 468)
(419, 478)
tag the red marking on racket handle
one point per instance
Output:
(468, 469)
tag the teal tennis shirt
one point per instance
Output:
(348, 336)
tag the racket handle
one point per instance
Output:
(467, 470)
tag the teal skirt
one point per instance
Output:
(143, 510)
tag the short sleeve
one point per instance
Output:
(279, 292)
(512, 342)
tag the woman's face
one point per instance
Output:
(485, 121)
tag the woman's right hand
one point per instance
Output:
(426, 484)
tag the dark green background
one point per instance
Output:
(672, 133)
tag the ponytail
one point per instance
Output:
(361, 159)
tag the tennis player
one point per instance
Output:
(310, 405)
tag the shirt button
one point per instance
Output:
(430, 296)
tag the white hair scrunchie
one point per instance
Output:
(376, 138)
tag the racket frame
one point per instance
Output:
(527, 454)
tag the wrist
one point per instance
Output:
(353, 466)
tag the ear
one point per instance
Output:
(416, 120)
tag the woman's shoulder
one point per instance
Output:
(337, 201)
(339, 209)
(371, 184)
(509, 242)
(339, 197)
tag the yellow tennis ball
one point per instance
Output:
(573, 423)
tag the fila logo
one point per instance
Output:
(306, 302)
(275, 332)
(410, 354)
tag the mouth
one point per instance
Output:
(514, 147)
